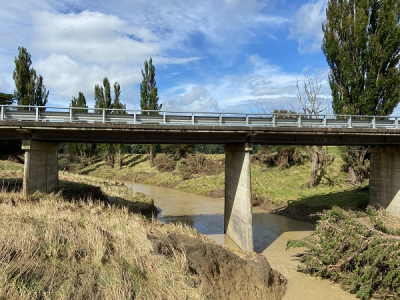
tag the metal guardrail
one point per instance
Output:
(104, 115)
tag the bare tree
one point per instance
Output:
(313, 105)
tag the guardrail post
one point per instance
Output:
(396, 123)
(70, 114)
(164, 118)
(350, 123)
(273, 121)
(299, 121)
(104, 115)
(2, 113)
(373, 122)
(324, 121)
(134, 117)
(220, 119)
(247, 119)
(192, 118)
(37, 113)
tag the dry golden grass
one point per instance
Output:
(51, 248)
(54, 249)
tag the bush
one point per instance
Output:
(358, 250)
(281, 156)
(164, 162)
(191, 165)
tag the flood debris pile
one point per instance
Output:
(359, 250)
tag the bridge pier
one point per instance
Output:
(41, 167)
(238, 218)
(384, 179)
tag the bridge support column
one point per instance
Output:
(41, 167)
(238, 218)
(384, 180)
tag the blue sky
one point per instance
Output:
(221, 55)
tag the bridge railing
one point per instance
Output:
(127, 116)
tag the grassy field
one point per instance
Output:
(272, 184)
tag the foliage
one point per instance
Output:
(6, 98)
(179, 150)
(148, 89)
(149, 99)
(82, 152)
(102, 94)
(347, 248)
(30, 89)
(164, 162)
(281, 156)
(362, 46)
(356, 162)
(209, 148)
(79, 102)
(190, 166)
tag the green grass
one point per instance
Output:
(272, 183)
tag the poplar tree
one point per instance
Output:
(148, 89)
(83, 152)
(30, 89)
(362, 45)
(103, 99)
(149, 99)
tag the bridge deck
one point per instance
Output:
(195, 134)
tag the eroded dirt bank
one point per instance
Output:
(222, 273)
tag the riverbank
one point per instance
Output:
(275, 189)
(58, 247)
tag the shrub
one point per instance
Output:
(191, 165)
(164, 162)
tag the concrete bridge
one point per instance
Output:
(40, 132)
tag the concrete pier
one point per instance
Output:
(384, 179)
(41, 167)
(238, 218)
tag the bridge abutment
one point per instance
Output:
(384, 180)
(41, 167)
(238, 218)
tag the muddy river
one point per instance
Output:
(271, 233)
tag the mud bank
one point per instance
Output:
(222, 273)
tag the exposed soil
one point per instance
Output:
(222, 273)
(217, 193)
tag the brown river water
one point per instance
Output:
(271, 232)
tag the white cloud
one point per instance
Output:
(306, 27)
(196, 98)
